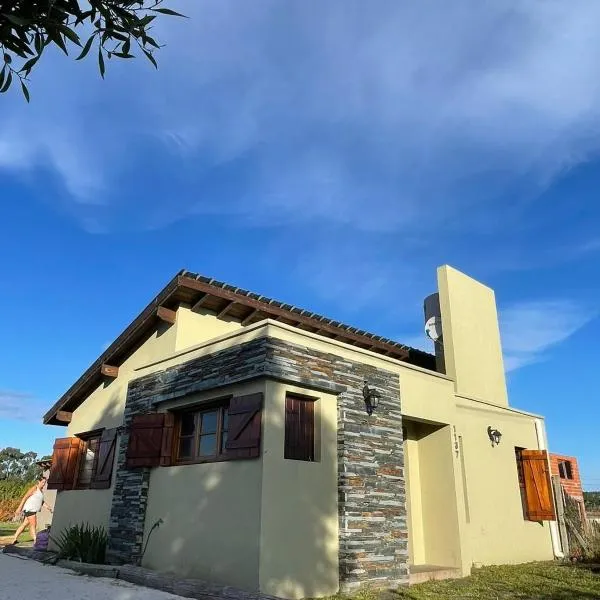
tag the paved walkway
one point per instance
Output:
(21, 579)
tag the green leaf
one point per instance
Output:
(168, 11)
(7, 58)
(7, 83)
(56, 37)
(123, 55)
(2, 76)
(101, 62)
(29, 65)
(39, 43)
(20, 21)
(70, 34)
(25, 91)
(150, 58)
(86, 48)
(127, 46)
(146, 20)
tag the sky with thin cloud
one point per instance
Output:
(330, 155)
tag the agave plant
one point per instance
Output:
(83, 543)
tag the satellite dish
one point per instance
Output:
(433, 328)
(433, 317)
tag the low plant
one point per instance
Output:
(84, 543)
(11, 492)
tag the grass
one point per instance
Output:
(533, 581)
(8, 530)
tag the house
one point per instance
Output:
(230, 437)
(566, 469)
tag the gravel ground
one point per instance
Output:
(22, 579)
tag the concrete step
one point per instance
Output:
(423, 573)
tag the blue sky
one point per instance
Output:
(331, 155)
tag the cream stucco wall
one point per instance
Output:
(497, 531)
(194, 327)
(211, 514)
(299, 518)
(472, 348)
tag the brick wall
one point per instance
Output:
(572, 487)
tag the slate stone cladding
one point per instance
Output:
(373, 532)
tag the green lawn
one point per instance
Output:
(533, 581)
(8, 529)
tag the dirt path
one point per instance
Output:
(22, 578)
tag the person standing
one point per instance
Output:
(30, 505)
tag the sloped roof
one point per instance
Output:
(234, 302)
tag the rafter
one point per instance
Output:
(199, 303)
(109, 371)
(166, 314)
(225, 309)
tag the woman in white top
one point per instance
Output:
(30, 505)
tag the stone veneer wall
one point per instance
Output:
(373, 533)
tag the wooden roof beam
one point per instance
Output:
(251, 316)
(199, 303)
(64, 416)
(225, 309)
(166, 314)
(109, 371)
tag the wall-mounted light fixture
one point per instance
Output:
(371, 397)
(494, 436)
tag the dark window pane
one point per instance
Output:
(209, 422)
(185, 447)
(187, 423)
(223, 441)
(225, 419)
(86, 466)
(208, 445)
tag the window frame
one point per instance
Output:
(86, 437)
(218, 404)
(567, 467)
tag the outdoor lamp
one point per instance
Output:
(494, 436)
(371, 397)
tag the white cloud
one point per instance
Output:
(531, 329)
(379, 116)
(19, 406)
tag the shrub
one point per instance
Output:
(83, 543)
(11, 492)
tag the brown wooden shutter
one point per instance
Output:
(65, 458)
(104, 460)
(150, 441)
(538, 485)
(245, 416)
(299, 428)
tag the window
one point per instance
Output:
(202, 434)
(84, 461)
(565, 469)
(88, 461)
(299, 428)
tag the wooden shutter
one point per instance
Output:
(538, 485)
(299, 428)
(150, 441)
(245, 416)
(65, 458)
(105, 459)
